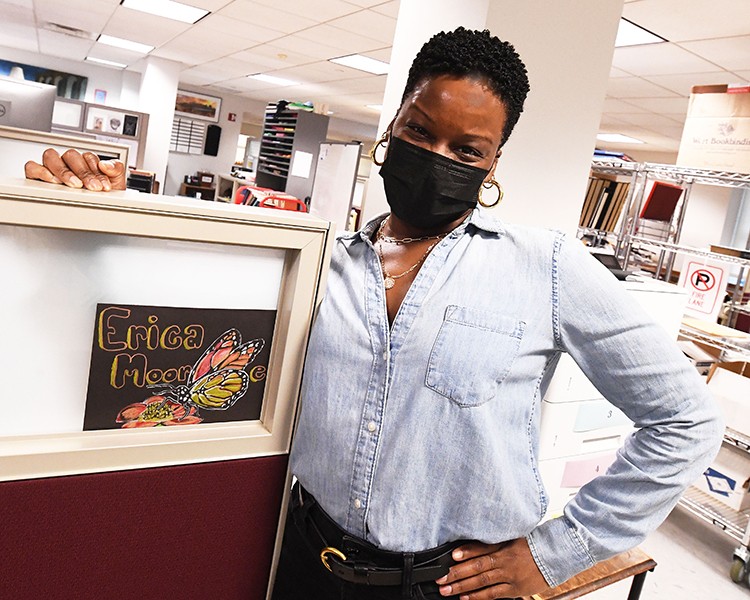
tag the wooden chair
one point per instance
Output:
(634, 563)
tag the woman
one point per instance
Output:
(440, 329)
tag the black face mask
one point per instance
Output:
(428, 190)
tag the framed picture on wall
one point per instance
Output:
(197, 106)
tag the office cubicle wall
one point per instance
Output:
(112, 483)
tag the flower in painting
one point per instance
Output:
(156, 411)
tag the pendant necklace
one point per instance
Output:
(390, 280)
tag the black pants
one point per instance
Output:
(302, 576)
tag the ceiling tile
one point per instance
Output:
(267, 57)
(320, 71)
(196, 47)
(21, 37)
(92, 18)
(666, 106)
(649, 120)
(319, 11)
(119, 55)
(270, 17)
(299, 45)
(390, 9)
(658, 59)
(618, 73)
(63, 46)
(683, 83)
(635, 87)
(348, 42)
(728, 53)
(743, 74)
(377, 26)
(678, 20)
(365, 3)
(254, 33)
(613, 106)
(16, 14)
(140, 27)
(383, 54)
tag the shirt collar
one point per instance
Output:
(479, 218)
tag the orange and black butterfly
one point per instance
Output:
(218, 379)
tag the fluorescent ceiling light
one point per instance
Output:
(376, 107)
(109, 63)
(618, 138)
(124, 44)
(363, 63)
(272, 79)
(630, 34)
(168, 9)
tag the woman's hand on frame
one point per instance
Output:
(78, 170)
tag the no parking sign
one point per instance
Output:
(706, 286)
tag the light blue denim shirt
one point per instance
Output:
(426, 432)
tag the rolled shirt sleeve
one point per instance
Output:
(635, 364)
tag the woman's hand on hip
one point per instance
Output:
(78, 170)
(489, 571)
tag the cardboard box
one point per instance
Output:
(728, 478)
(716, 135)
(729, 383)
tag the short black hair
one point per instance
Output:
(465, 52)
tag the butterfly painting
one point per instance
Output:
(216, 381)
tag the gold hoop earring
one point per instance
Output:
(383, 141)
(487, 185)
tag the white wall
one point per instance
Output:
(567, 48)
(188, 164)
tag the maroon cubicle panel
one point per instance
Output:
(188, 532)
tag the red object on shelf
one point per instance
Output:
(267, 198)
(661, 202)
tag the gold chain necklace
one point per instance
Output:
(390, 280)
(406, 240)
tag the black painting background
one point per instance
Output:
(104, 402)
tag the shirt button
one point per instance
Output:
(371, 426)
(357, 503)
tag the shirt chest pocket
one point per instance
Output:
(472, 354)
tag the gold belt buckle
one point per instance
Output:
(330, 550)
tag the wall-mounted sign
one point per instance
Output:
(162, 366)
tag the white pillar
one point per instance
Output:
(417, 22)
(157, 97)
(567, 48)
(130, 91)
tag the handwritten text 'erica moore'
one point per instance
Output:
(131, 341)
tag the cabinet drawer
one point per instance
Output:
(573, 428)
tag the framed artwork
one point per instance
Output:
(69, 85)
(197, 106)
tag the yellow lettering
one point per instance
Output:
(125, 366)
(106, 328)
(257, 373)
(193, 337)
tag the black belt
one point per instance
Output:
(358, 561)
